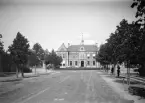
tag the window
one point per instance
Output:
(76, 63)
(70, 63)
(88, 62)
(74, 56)
(63, 64)
(94, 63)
(82, 49)
(63, 56)
(88, 56)
(94, 56)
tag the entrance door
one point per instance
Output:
(82, 63)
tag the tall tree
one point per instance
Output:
(103, 55)
(33, 60)
(39, 52)
(1, 44)
(19, 51)
(123, 45)
(1, 52)
(140, 14)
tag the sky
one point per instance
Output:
(53, 22)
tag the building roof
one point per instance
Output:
(62, 48)
(88, 48)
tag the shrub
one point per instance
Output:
(141, 71)
(135, 70)
(26, 69)
(137, 91)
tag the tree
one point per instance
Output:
(46, 52)
(7, 62)
(140, 6)
(19, 51)
(1, 44)
(140, 14)
(124, 42)
(52, 58)
(123, 45)
(33, 60)
(1, 52)
(39, 51)
(103, 55)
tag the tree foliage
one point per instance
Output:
(33, 60)
(7, 63)
(103, 55)
(19, 51)
(1, 52)
(140, 13)
(1, 44)
(126, 45)
(52, 58)
(40, 53)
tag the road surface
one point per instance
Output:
(65, 86)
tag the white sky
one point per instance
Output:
(52, 22)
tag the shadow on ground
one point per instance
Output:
(136, 90)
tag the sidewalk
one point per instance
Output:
(26, 75)
(12, 84)
(119, 87)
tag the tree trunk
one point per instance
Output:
(114, 69)
(1, 69)
(128, 73)
(17, 72)
(45, 68)
(35, 69)
(22, 67)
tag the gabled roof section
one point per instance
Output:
(87, 48)
(62, 48)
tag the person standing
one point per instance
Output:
(118, 70)
(112, 70)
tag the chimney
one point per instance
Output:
(96, 44)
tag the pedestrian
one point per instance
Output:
(112, 70)
(118, 70)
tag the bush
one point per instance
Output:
(141, 71)
(137, 91)
(26, 69)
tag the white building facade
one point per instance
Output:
(78, 56)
